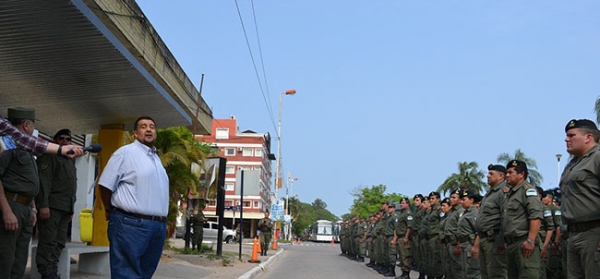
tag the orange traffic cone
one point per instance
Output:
(332, 243)
(298, 240)
(275, 244)
(255, 251)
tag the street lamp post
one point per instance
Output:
(278, 167)
(558, 171)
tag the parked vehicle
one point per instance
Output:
(210, 232)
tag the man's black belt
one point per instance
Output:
(584, 226)
(489, 234)
(10, 196)
(510, 240)
(162, 219)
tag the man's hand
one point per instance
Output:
(527, 249)
(77, 151)
(405, 241)
(475, 252)
(10, 221)
(457, 251)
(44, 213)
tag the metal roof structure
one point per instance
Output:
(86, 63)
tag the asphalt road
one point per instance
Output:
(317, 260)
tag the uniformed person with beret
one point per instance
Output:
(370, 236)
(446, 207)
(265, 226)
(377, 241)
(490, 239)
(343, 233)
(466, 233)
(424, 269)
(554, 265)
(389, 245)
(55, 201)
(580, 187)
(198, 220)
(521, 220)
(352, 232)
(546, 233)
(19, 184)
(415, 240)
(435, 249)
(402, 236)
(451, 232)
(379, 246)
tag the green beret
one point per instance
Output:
(468, 194)
(581, 123)
(21, 113)
(456, 192)
(63, 132)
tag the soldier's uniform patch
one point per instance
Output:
(547, 213)
(557, 213)
(531, 193)
(409, 218)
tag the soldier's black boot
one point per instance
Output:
(370, 263)
(404, 275)
(390, 271)
(361, 259)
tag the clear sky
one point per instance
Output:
(392, 92)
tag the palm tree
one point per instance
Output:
(469, 177)
(178, 149)
(597, 110)
(534, 178)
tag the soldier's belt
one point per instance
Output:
(466, 238)
(510, 240)
(584, 226)
(430, 236)
(489, 234)
(18, 198)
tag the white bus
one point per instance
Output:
(322, 230)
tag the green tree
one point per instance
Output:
(534, 178)
(178, 149)
(319, 204)
(469, 177)
(368, 199)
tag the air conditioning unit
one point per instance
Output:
(240, 149)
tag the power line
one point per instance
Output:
(255, 68)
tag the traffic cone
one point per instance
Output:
(255, 250)
(275, 244)
(332, 243)
(298, 240)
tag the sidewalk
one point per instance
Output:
(175, 265)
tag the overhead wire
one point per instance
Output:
(269, 110)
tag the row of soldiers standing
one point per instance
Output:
(465, 235)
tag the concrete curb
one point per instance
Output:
(252, 273)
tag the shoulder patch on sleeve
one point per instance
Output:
(557, 213)
(442, 214)
(547, 213)
(409, 218)
(531, 193)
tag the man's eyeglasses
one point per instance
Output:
(64, 138)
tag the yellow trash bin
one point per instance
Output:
(86, 225)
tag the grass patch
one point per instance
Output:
(188, 251)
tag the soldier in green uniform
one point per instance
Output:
(18, 188)
(362, 239)
(466, 237)
(415, 241)
(521, 220)
(445, 206)
(198, 226)
(546, 233)
(451, 232)
(343, 234)
(580, 187)
(402, 236)
(55, 200)
(353, 243)
(490, 239)
(370, 236)
(265, 226)
(435, 249)
(389, 245)
(554, 266)
(379, 242)
(424, 239)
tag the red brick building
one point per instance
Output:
(248, 151)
